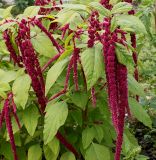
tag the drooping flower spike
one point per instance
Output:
(31, 62)
(116, 75)
(9, 108)
(13, 55)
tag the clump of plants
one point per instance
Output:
(69, 78)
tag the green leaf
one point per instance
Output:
(31, 11)
(141, 157)
(92, 62)
(68, 156)
(140, 113)
(102, 10)
(134, 87)
(20, 90)
(121, 7)
(54, 72)
(74, 6)
(70, 17)
(4, 86)
(55, 117)
(113, 24)
(43, 45)
(130, 144)
(123, 56)
(7, 76)
(131, 23)
(54, 145)
(5, 150)
(7, 12)
(30, 118)
(65, 54)
(80, 99)
(51, 150)
(97, 152)
(87, 137)
(35, 152)
(99, 133)
(5, 26)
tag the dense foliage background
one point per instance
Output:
(87, 127)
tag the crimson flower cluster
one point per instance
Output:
(93, 28)
(16, 58)
(116, 75)
(106, 4)
(5, 115)
(31, 62)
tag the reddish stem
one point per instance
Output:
(66, 82)
(39, 24)
(93, 96)
(50, 61)
(9, 128)
(66, 144)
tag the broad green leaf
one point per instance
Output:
(20, 90)
(75, 6)
(54, 145)
(134, 87)
(43, 45)
(66, 54)
(1, 12)
(5, 150)
(123, 56)
(113, 24)
(30, 118)
(92, 62)
(87, 137)
(31, 11)
(141, 157)
(54, 72)
(80, 99)
(102, 10)
(51, 150)
(49, 155)
(121, 7)
(7, 12)
(131, 23)
(7, 76)
(3, 94)
(55, 117)
(140, 113)
(35, 152)
(4, 86)
(97, 152)
(70, 17)
(129, 144)
(68, 156)
(99, 133)
(5, 26)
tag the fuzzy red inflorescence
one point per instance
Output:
(116, 75)
(16, 58)
(122, 105)
(75, 71)
(31, 62)
(8, 108)
(106, 4)
(93, 28)
(110, 66)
